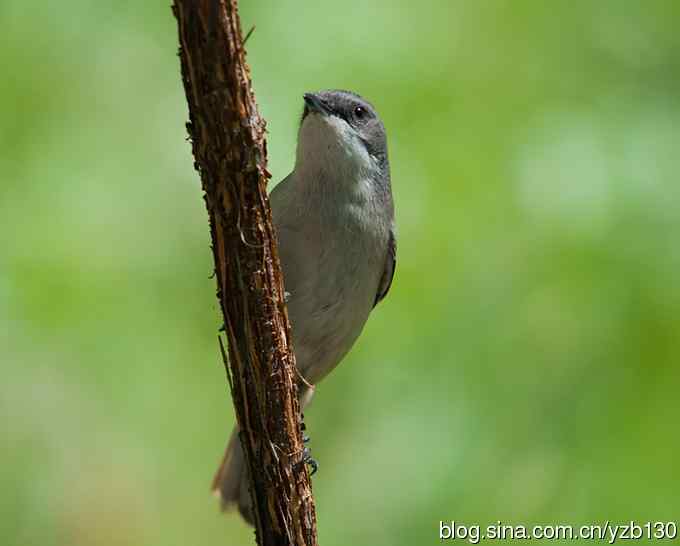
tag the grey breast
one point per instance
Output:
(332, 255)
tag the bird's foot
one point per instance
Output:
(306, 452)
(307, 459)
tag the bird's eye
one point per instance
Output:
(360, 112)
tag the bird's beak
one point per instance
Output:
(314, 103)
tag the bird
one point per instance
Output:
(334, 221)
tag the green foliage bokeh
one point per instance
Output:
(524, 367)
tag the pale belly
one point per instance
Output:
(327, 314)
(333, 256)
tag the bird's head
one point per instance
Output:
(341, 131)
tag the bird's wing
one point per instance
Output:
(390, 266)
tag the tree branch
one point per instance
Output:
(228, 139)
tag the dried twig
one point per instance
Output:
(228, 139)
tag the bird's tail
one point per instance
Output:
(230, 483)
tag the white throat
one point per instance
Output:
(329, 148)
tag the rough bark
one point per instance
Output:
(228, 139)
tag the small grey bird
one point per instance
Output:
(334, 218)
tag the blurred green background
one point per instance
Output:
(524, 367)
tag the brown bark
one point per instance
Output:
(228, 138)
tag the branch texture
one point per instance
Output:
(228, 139)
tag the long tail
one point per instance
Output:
(230, 483)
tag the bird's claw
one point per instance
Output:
(306, 452)
(307, 459)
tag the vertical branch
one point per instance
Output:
(229, 148)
